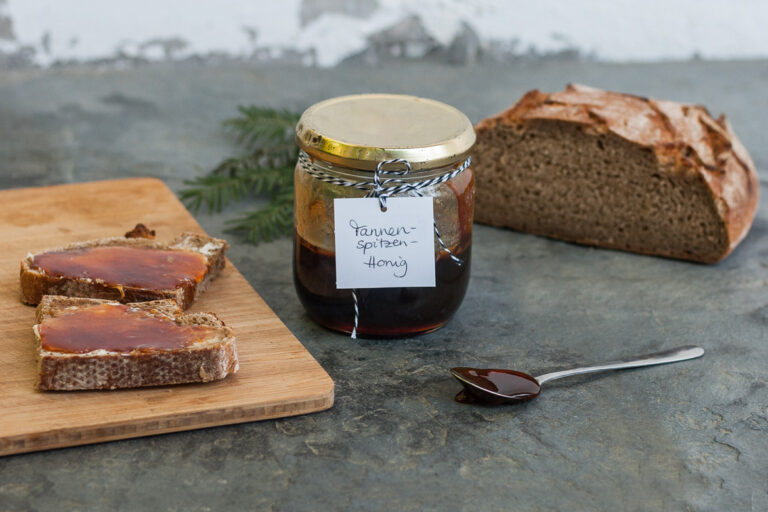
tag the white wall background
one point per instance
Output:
(325, 32)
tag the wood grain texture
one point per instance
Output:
(277, 376)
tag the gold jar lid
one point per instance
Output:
(361, 130)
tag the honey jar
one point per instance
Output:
(383, 146)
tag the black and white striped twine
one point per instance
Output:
(383, 189)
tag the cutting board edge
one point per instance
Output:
(79, 436)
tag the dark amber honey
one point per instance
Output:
(117, 328)
(512, 385)
(383, 311)
(155, 269)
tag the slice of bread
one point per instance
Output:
(210, 356)
(36, 282)
(614, 170)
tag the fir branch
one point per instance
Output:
(266, 170)
(234, 179)
(284, 155)
(213, 190)
(266, 224)
(257, 127)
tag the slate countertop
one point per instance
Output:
(689, 436)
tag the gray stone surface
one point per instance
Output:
(690, 436)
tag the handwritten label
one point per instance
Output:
(390, 249)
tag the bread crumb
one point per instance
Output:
(141, 231)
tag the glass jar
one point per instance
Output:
(345, 139)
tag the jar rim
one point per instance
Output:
(359, 131)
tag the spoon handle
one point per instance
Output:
(668, 356)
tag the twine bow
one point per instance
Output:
(380, 189)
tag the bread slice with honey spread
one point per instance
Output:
(130, 269)
(88, 344)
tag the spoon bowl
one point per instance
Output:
(495, 386)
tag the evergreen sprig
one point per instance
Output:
(266, 170)
(266, 224)
(257, 127)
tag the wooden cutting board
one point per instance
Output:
(277, 376)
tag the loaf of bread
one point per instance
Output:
(110, 268)
(619, 171)
(99, 344)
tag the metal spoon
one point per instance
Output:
(492, 386)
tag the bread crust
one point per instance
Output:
(36, 283)
(58, 371)
(683, 138)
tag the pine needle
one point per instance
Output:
(213, 190)
(264, 225)
(257, 127)
(266, 170)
